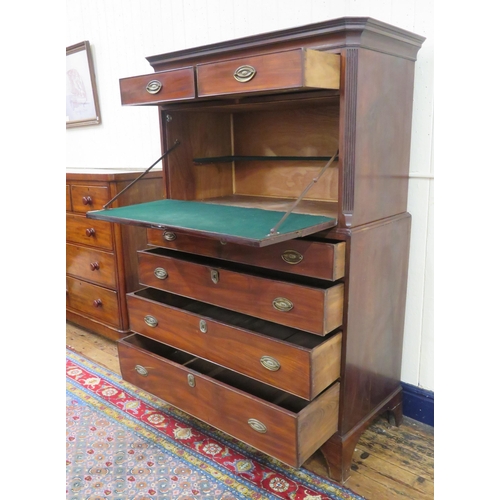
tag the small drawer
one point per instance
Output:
(277, 423)
(296, 69)
(155, 88)
(307, 304)
(283, 357)
(323, 260)
(83, 231)
(91, 264)
(85, 198)
(93, 300)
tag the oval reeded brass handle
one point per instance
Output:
(282, 304)
(87, 200)
(151, 321)
(153, 87)
(94, 266)
(97, 303)
(256, 425)
(292, 257)
(160, 273)
(169, 236)
(141, 370)
(244, 73)
(270, 363)
(90, 232)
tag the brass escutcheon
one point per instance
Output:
(214, 275)
(244, 73)
(282, 304)
(151, 321)
(160, 273)
(141, 370)
(270, 363)
(191, 380)
(153, 87)
(292, 257)
(203, 326)
(256, 425)
(169, 236)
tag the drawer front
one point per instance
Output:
(315, 310)
(292, 69)
(164, 86)
(92, 300)
(85, 198)
(83, 231)
(308, 258)
(287, 360)
(236, 411)
(90, 264)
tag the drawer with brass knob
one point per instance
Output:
(280, 356)
(279, 424)
(308, 304)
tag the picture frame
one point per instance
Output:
(82, 103)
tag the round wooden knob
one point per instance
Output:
(87, 200)
(90, 232)
(94, 266)
(97, 303)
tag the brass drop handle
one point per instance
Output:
(282, 304)
(141, 370)
(87, 200)
(94, 266)
(244, 73)
(151, 321)
(257, 425)
(270, 363)
(153, 87)
(97, 303)
(160, 273)
(90, 232)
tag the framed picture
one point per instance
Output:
(82, 105)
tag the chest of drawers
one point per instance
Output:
(273, 283)
(99, 254)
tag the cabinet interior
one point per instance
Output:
(256, 154)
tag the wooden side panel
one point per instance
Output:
(373, 331)
(326, 362)
(382, 121)
(201, 135)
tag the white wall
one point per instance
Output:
(123, 32)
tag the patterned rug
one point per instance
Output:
(124, 443)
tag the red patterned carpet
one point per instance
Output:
(123, 443)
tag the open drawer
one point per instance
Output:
(277, 423)
(296, 69)
(277, 355)
(311, 305)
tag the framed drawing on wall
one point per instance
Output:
(82, 104)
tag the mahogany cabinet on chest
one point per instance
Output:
(273, 284)
(100, 256)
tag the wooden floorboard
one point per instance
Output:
(389, 463)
